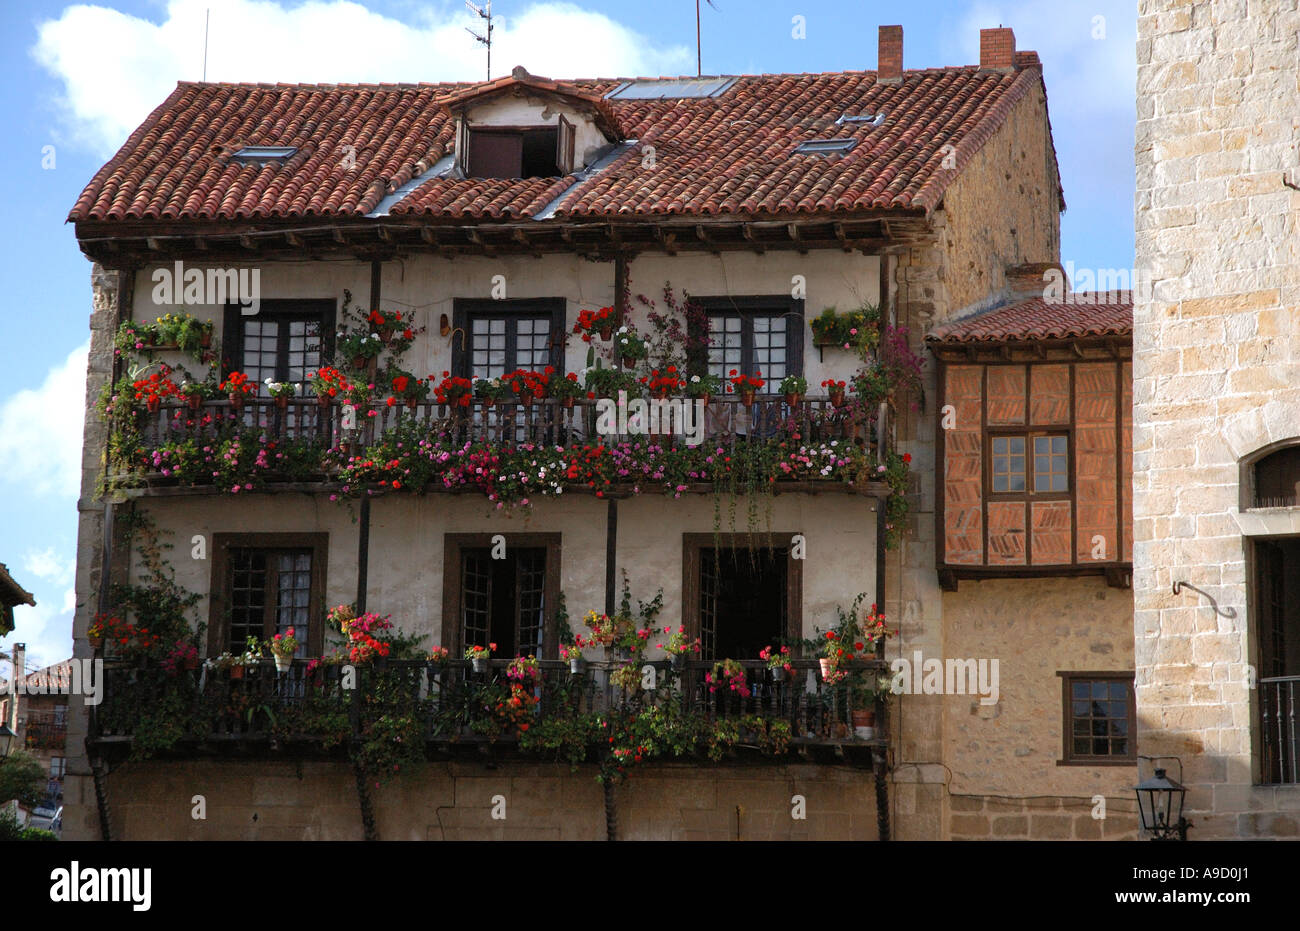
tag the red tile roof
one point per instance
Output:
(725, 155)
(1081, 314)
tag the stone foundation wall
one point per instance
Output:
(268, 800)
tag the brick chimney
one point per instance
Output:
(997, 49)
(889, 60)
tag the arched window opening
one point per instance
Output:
(1277, 479)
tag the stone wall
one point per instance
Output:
(1216, 378)
(455, 801)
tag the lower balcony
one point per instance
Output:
(389, 714)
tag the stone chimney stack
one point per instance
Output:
(997, 49)
(889, 59)
(1031, 280)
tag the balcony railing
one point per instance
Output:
(45, 733)
(453, 704)
(726, 421)
(1280, 730)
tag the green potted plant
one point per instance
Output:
(835, 390)
(237, 387)
(747, 386)
(479, 656)
(489, 390)
(358, 348)
(327, 384)
(410, 389)
(281, 392)
(678, 646)
(283, 647)
(778, 662)
(607, 383)
(703, 386)
(794, 387)
(566, 390)
(572, 652)
(194, 393)
(630, 346)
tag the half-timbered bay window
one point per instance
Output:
(284, 341)
(754, 335)
(1035, 453)
(1099, 718)
(496, 337)
(739, 598)
(265, 583)
(502, 592)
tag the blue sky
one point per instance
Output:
(79, 78)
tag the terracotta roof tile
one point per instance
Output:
(725, 155)
(1082, 314)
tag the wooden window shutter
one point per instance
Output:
(462, 145)
(564, 142)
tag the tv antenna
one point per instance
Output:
(699, 70)
(484, 12)
(207, 14)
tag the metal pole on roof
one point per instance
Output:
(206, 14)
(699, 70)
(484, 12)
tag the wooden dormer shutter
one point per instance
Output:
(564, 142)
(462, 145)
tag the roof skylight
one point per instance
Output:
(265, 153)
(666, 88)
(825, 146)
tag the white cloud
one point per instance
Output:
(47, 565)
(334, 41)
(46, 629)
(41, 432)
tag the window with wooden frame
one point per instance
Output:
(265, 583)
(752, 335)
(1099, 718)
(1029, 463)
(740, 592)
(285, 340)
(519, 151)
(502, 593)
(502, 336)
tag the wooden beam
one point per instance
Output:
(668, 240)
(839, 234)
(339, 237)
(748, 230)
(154, 244)
(705, 238)
(294, 240)
(247, 242)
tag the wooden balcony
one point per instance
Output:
(328, 434)
(301, 713)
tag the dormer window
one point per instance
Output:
(520, 152)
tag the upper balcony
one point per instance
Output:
(682, 446)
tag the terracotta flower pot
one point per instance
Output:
(837, 399)
(205, 340)
(282, 403)
(237, 671)
(323, 401)
(360, 362)
(863, 718)
(629, 362)
(826, 666)
(96, 642)
(793, 400)
(747, 397)
(411, 403)
(607, 333)
(489, 403)
(237, 401)
(153, 404)
(526, 400)
(194, 401)
(566, 403)
(386, 334)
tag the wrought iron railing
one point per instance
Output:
(447, 699)
(1279, 729)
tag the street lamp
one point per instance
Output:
(6, 740)
(1160, 803)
